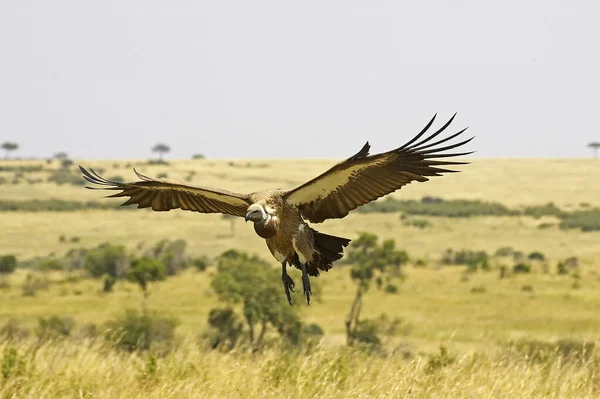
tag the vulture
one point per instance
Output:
(281, 216)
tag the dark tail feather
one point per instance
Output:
(330, 248)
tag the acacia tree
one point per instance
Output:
(9, 146)
(253, 284)
(368, 259)
(144, 270)
(161, 149)
(594, 146)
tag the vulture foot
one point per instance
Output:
(288, 283)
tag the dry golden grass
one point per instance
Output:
(89, 369)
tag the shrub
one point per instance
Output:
(391, 289)
(419, 223)
(561, 268)
(537, 211)
(536, 256)
(478, 290)
(504, 251)
(109, 283)
(50, 264)
(473, 259)
(8, 263)
(438, 207)
(13, 364)
(33, 284)
(141, 331)
(54, 327)
(522, 268)
(106, 259)
(201, 263)
(527, 288)
(586, 220)
(198, 156)
(227, 328)
(438, 361)
(171, 254)
(12, 329)
(144, 270)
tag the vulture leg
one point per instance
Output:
(288, 283)
(305, 283)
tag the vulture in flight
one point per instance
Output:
(281, 216)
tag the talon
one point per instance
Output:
(288, 283)
(306, 287)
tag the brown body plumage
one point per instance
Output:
(280, 216)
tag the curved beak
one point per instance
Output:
(247, 217)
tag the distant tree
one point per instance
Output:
(8, 263)
(232, 220)
(61, 155)
(144, 270)
(594, 146)
(368, 259)
(9, 146)
(161, 149)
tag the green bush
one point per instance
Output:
(171, 254)
(438, 361)
(438, 207)
(473, 259)
(226, 328)
(144, 270)
(201, 263)
(54, 205)
(536, 256)
(587, 220)
(50, 264)
(13, 364)
(106, 259)
(537, 211)
(109, 283)
(141, 331)
(8, 263)
(54, 327)
(391, 289)
(522, 268)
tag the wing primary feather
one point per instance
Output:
(141, 176)
(418, 136)
(419, 148)
(448, 147)
(458, 154)
(434, 135)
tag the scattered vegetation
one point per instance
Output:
(368, 258)
(433, 206)
(252, 283)
(135, 330)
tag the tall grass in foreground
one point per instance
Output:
(90, 368)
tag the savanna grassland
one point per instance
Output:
(467, 330)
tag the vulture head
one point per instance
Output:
(256, 213)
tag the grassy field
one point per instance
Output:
(472, 314)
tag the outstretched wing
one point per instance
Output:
(166, 194)
(363, 178)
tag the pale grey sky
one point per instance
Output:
(108, 79)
